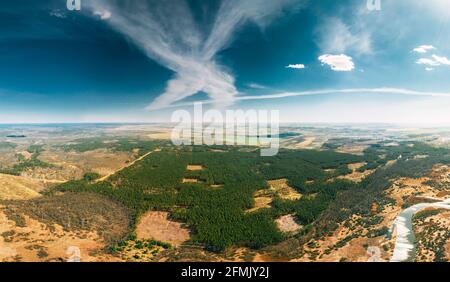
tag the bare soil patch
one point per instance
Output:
(353, 149)
(356, 166)
(277, 188)
(306, 144)
(194, 167)
(261, 203)
(357, 176)
(287, 224)
(191, 180)
(155, 225)
(281, 188)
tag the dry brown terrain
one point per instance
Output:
(344, 245)
(287, 224)
(277, 188)
(163, 135)
(353, 149)
(19, 188)
(190, 180)
(60, 227)
(124, 166)
(73, 165)
(8, 159)
(356, 176)
(155, 225)
(36, 242)
(261, 202)
(432, 234)
(305, 144)
(281, 188)
(194, 167)
(52, 228)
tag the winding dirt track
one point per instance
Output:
(128, 165)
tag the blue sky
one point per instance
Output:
(315, 61)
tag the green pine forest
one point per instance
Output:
(217, 217)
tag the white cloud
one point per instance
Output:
(441, 60)
(423, 49)
(338, 62)
(427, 62)
(434, 61)
(168, 33)
(334, 36)
(104, 15)
(295, 66)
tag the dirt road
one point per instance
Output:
(128, 165)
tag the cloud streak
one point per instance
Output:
(295, 66)
(283, 95)
(398, 91)
(168, 33)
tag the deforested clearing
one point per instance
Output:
(287, 224)
(156, 225)
(194, 167)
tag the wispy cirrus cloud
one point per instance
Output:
(383, 90)
(257, 86)
(335, 36)
(168, 33)
(284, 95)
